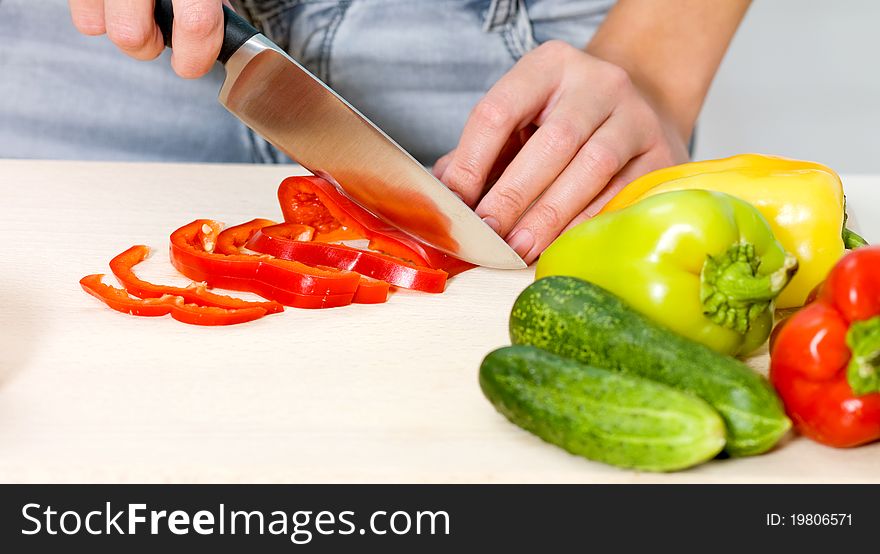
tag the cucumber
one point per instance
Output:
(584, 322)
(600, 414)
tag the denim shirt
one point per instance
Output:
(415, 67)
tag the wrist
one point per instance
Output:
(671, 50)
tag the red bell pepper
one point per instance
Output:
(825, 361)
(296, 193)
(122, 267)
(290, 283)
(119, 300)
(278, 241)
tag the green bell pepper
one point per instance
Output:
(705, 264)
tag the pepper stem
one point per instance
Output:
(732, 292)
(863, 372)
(851, 240)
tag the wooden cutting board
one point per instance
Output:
(384, 393)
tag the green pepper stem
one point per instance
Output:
(732, 292)
(863, 372)
(851, 240)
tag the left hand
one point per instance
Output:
(574, 129)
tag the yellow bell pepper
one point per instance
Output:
(802, 201)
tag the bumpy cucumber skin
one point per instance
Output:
(582, 321)
(602, 415)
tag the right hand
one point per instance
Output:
(197, 34)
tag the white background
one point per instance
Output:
(801, 79)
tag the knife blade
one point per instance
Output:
(283, 102)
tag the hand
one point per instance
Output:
(574, 129)
(197, 34)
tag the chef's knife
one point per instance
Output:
(291, 108)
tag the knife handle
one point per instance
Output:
(236, 31)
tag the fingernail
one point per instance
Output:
(493, 223)
(522, 242)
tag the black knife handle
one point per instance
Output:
(236, 31)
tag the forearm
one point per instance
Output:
(671, 50)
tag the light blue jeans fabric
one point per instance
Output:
(415, 67)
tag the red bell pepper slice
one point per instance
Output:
(371, 291)
(294, 190)
(290, 283)
(276, 240)
(302, 206)
(231, 240)
(119, 299)
(825, 361)
(122, 267)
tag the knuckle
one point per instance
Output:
(463, 178)
(198, 21)
(510, 199)
(616, 77)
(129, 36)
(562, 138)
(554, 48)
(601, 161)
(549, 215)
(463, 174)
(492, 114)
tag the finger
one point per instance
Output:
(539, 163)
(511, 104)
(510, 150)
(441, 164)
(662, 153)
(508, 154)
(130, 26)
(197, 36)
(605, 154)
(88, 16)
(638, 166)
(659, 156)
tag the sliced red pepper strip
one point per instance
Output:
(231, 239)
(122, 267)
(382, 236)
(212, 315)
(348, 214)
(275, 240)
(290, 283)
(300, 205)
(119, 299)
(337, 235)
(371, 291)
